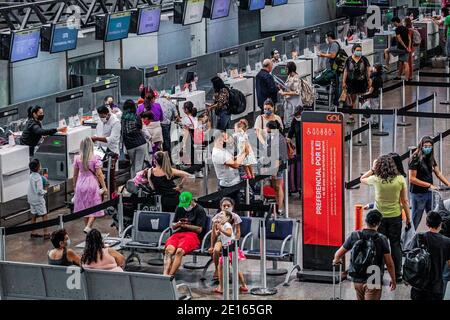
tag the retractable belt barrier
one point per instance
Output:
(65, 218)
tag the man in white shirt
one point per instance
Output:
(226, 165)
(108, 134)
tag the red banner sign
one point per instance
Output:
(323, 185)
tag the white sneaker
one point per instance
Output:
(199, 174)
(87, 229)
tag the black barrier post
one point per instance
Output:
(263, 290)
(417, 110)
(120, 214)
(394, 136)
(296, 257)
(226, 272)
(205, 177)
(411, 150)
(247, 194)
(235, 268)
(370, 143)
(403, 123)
(434, 111)
(441, 151)
(286, 191)
(2, 244)
(447, 100)
(359, 143)
(380, 132)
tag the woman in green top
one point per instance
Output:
(391, 196)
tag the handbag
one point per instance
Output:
(290, 150)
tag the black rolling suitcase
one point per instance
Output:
(334, 282)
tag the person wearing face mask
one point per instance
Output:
(401, 50)
(108, 135)
(422, 165)
(265, 84)
(225, 164)
(33, 131)
(262, 120)
(330, 55)
(295, 132)
(109, 102)
(356, 79)
(61, 255)
(189, 229)
(133, 138)
(153, 132)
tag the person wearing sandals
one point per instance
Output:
(226, 204)
(61, 255)
(356, 79)
(36, 197)
(223, 227)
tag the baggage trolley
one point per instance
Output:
(334, 282)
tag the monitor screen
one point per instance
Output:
(64, 38)
(149, 20)
(118, 26)
(25, 45)
(279, 2)
(380, 2)
(220, 9)
(256, 5)
(193, 11)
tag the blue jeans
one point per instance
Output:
(337, 90)
(419, 203)
(223, 120)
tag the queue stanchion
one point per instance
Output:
(350, 156)
(417, 110)
(247, 194)
(158, 202)
(380, 132)
(411, 150)
(120, 214)
(226, 273)
(286, 191)
(2, 244)
(108, 178)
(263, 290)
(370, 143)
(235, 268)
(394, 136)
(441, 154)
(447, 96)
(359, 143)
(403, 122)
(205, 178)
(434, 110)
(61, 221)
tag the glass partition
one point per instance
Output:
(156, 78)
(291, 46)
(186, 73)
(313, 39)
(254, 56)
(229, 61)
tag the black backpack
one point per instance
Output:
(363, 255)
(338, 65)
(237, 102)
(417, 265)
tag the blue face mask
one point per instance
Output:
(267, 112)
(427, 150)
(358, 53)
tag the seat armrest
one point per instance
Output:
(283, 245)
(244, 240)
(124, 232)
(169, 229)
(183, 285)
(202, 248)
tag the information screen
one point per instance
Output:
(118, 26)
(220, 9)
(64, 38)
(323, 179)
(149, 20)
(25, 45)
(193, 11)
(256, 5)
(279, 2)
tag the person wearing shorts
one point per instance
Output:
(401, 50)
(189, 226)
(36, 197)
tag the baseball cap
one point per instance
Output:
(185, 199)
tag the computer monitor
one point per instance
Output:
(59, 37)
(20, 45)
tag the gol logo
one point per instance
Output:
(334, 118)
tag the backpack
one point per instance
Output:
(324, 78)
(306, 93)
(237, 102)
(363, 255)
(416, 38)
(417, 265)
(338, 64)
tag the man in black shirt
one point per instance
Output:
(189, 227)
(265, 84)
(402, 49)
(438, 246)
(369, 288)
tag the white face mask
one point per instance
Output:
(189, 208)
(68, 243)
(327, 41)
(104, 120)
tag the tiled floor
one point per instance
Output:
(22, 248)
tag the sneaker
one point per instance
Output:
(199, 174)
(86, 230)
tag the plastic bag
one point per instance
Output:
(407, 236)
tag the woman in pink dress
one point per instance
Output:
(96, 256)
(87, 176)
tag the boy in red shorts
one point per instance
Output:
(188, 225)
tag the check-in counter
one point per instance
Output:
(314, 61)
(245, 85)
(198, 98)
(14, 172)
(429, 30)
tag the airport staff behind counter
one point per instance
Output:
(33, 131)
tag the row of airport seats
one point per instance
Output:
(20, 280)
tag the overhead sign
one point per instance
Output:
(323, 187)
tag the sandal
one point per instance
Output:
(243, 289)
(47, 236)
(216, 290)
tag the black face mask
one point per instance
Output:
(40, 118)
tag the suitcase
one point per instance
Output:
(334, 282)
(295, 182)
(439, 62)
